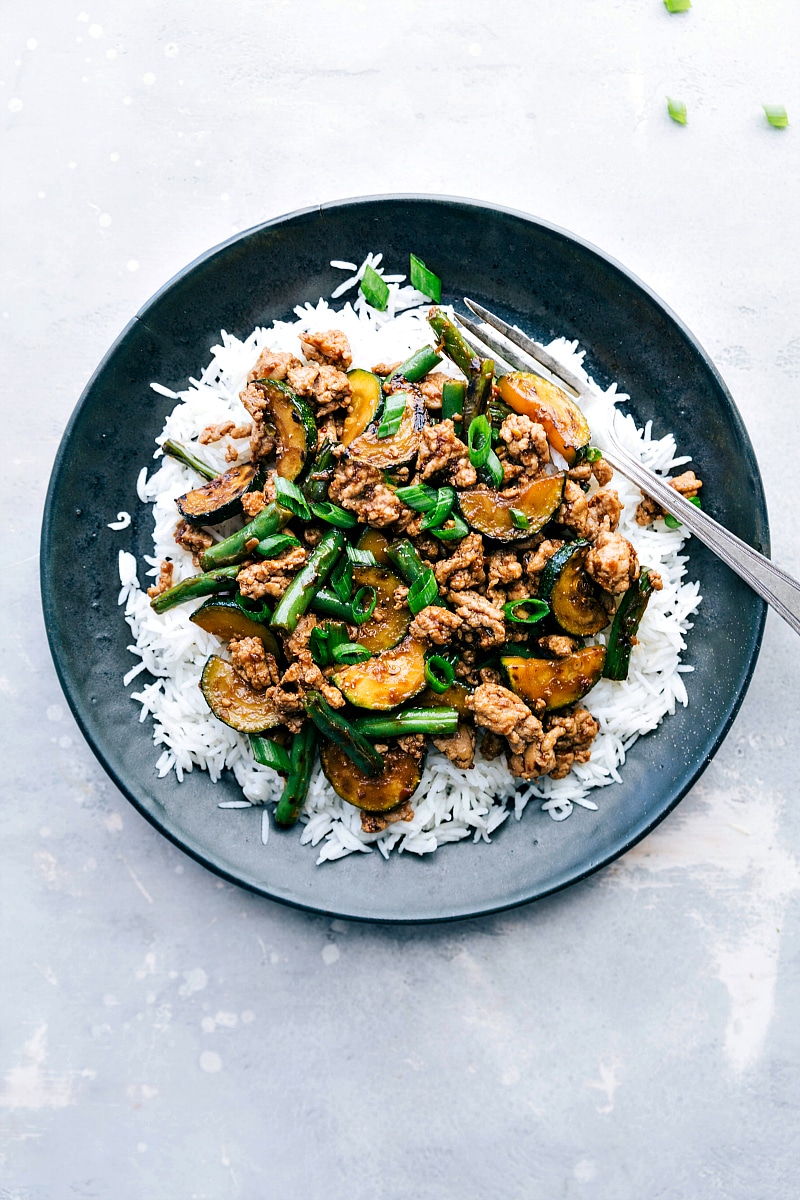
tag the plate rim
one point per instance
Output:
(189, 845)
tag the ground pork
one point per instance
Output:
(435, 625)
(431, 389)
(376, 822)
(526, 442)
(327, 387)
(359, 487)
(536, 560)
(271, 576)
(465, 566)
(296, 644)
(215, 433)
(441, 451)
(459, 746)
(587, 516)
(253, 664)
(193, 539)
(262, 436)
(413, 744)
(384, 369)
(504, 569)
(612, 563)
(503, 713)
(558, 645)
(330, 347)
(287, 699)
(164, 581)
(577, 730)
(272, 364)
(484, 622)
(687, 484)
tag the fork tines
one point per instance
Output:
(537, 353)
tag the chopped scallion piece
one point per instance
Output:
(453, 393)
(592, 454)
(363, 604)
(275, 544)
(374, 290)
(537, 610)
(270, 754)
(255, 609)
(677, 6)
(360, 558)
(452, 533)
(776, 115)
(334, 514)
(288, 495)
(439, 672)
(350, 653)
(342, 580)
(392, 414)
(677, 110)
(423, 592)
(479, 440)
(418, 496)
(445, 499)
(424, 279)
(492, 470)
(324, 639)
(518, 518)
(673, 522)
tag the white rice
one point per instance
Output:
(450, 804)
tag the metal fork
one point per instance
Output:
(779, 590)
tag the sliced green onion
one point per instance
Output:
(288, 495)
(452, 533)
(324, 639)
(417, 365)
(342, 580)
(374, 290)
(423, 592)
(328, 604)
(270, 754)
(334, 514)
(418, 496)
(518, 518)
(445, 499)
(776, 115)
(350, 653)
(538, 610)
(439, 672)
(673, 522)
(184, 455)
(677, 6)
(392, 414)
(677, 110)
(407, 560)
(424, 280)
(363, 604)
(271, 547)
(492, 470)
(453, 393)
(360, 558)
(255, 609)
(592, 454)
(479, 440)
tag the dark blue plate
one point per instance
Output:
(551, 283)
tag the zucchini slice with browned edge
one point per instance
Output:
(401, 447)
(397, 782)
(565, 425)
(557, 681)
(377, 543)
(388, 624)
(294, 424)
(455, 697)
(387, 680)
(223, 617)
(220, 498)
(571, 594)
(490, 513)
(233, 701)
(365, 400)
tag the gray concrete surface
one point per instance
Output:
(166, 1035)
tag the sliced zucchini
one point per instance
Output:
(387, 680)
(388, 625)
(398, 449)
(488, 512)
(294, 424)
(377, 544)
(365, 400)
(223, 617)
(557, 681)
(571, 594)
(455, 697)
(565, 425)
(233, 701)
(220, 498)
(397, 782)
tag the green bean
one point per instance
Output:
(437, 722)
(183, 454)
(622, 638)
(479, 390)
(307, 581)
(223, 580)
(339, 730)
(452, 343)
(417, 365)
(234, 548)
(301, 757)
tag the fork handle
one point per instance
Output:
(772, 584)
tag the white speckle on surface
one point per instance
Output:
(274, 957)
(15, 104)
(148, 966)
(114, 156)
(228, 1020)
(113, 822)
(194, 981)
(179, 869)
(607, 1084)
(170, 50)
(127, 100)
(475, 49)
(30, 1085)
(208, 1024)
(83, 16)
(45, 831)
(65, 741)
(132, 264)
(104, 220)
(585, 1170)
(41, 195)
(54, 712)
(72, 164)
(248, 1016)
(32, 44)
(330, 954)
(148, 78)
(95, 31)
(141, 1147)
(210, 1061)
(110, 1000)
(225, 196)
(111, 53)
(198, 162)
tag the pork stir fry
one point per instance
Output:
(411, 566)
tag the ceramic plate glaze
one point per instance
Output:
(549, 282)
